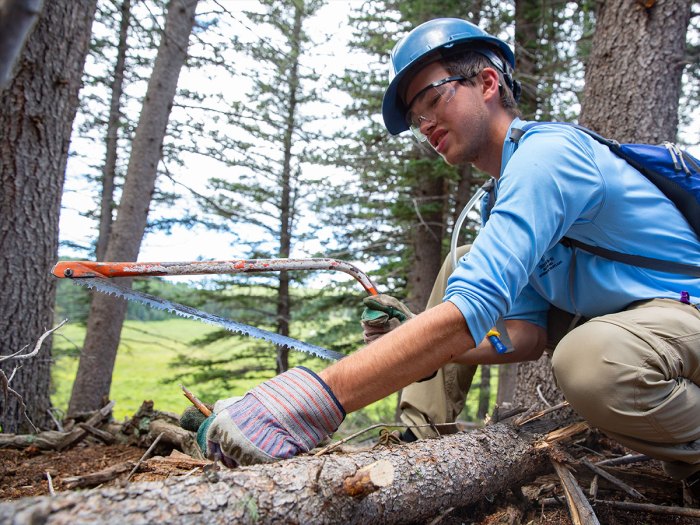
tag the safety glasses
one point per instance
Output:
(424, 105)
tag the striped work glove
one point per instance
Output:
(282, 417)
(381, 315)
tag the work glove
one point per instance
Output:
(381, 315)
(282, 417)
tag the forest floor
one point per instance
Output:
(33, 472)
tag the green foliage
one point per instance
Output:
(397, 187)
(72, 302)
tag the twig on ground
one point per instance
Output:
(612, 479)
(442, 516)
(593, 490)
(56, 422)
(580, 509)
(541, 396)
(48, 478)
(623, 460)
(145, 455)
(688, 512)
(526, 418)
(188, 474)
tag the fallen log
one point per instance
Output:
(429, 477)
(53, 440)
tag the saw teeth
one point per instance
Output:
(102, 285)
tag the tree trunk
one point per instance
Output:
(484, 392)
(428, 229)
(287, 203)
(419, 482)
(633, 76)
(107, 313)
(527, 17)
(36, 114)
(17, 18)
(111, 142)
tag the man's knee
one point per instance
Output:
(584, 372)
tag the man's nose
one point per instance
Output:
(426, 125)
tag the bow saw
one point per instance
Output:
(97, 276)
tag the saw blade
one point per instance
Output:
(111, 288)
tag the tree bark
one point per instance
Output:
(429, 477)
(111, 140)
(428, 195)
(484, 392)
(36, 115)
(287, 200)
(633, 77)
(17, 18)
(107, 313)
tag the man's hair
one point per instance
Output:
(469, 64)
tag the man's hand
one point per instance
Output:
(381, 315)
(284, 416)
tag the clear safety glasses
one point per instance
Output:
(424, 105)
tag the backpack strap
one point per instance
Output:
(661, 265)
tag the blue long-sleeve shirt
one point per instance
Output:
(558, 182)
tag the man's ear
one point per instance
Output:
(490, 84)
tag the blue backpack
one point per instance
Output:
(674, 171)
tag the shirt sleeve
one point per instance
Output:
(549, 183)
(529, 306)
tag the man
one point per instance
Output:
(633, 370)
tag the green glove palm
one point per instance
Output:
(381, 315)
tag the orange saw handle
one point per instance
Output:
(88, 269)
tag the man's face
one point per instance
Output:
(452, 116)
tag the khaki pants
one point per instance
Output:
(634, 374)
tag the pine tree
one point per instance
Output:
(37, 109)
(271, 187)
(107, 313)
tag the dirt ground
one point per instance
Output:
(26, 473)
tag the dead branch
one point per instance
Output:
(612, 479)
(580, 509)
(652, 509)
(106, 437)
(624, 460)
(97, 478)
(145, 455)
(4, 380)
(563, 434)
(527, 416)
(52, 440)
(176, 437)
(18, 354)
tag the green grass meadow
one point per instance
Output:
(144, 371)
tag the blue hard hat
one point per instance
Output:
(426, 43)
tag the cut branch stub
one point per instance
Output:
(369, 479)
